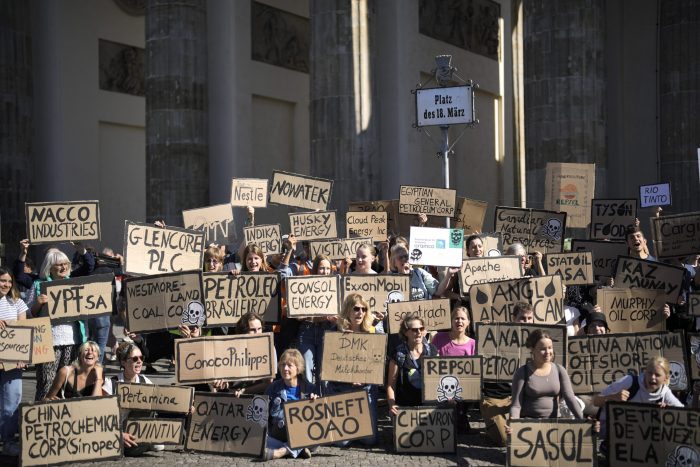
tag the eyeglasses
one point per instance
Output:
(137, 358)
(416, 330)
(359, 308)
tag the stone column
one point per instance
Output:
(343, 112)
(16, 100)
(177, 164)
(564, 88)
(679, 99)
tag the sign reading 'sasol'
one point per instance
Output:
(431, 201)
(228, 297)
(301, 191)
(354, 357)
(309, 296)
(79, 298)
(313, 225)
(156, 303)
(152, 397)
(236, 358)
(337, 248)
(574, 268)
(69, 221)
(551, 442)
(151, 250)
(424, 430)
(16, 344)
(435, 314)
(267, 237)
(451, 379)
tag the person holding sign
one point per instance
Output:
(292, 387)
(405, 380)
(526, 261)
(12, 308)
(423, 284)
(83, 378)
(251, 323)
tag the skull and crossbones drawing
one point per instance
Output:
(552, 229)
(193, 314)
(257, 411)
(683, 456)
(416, 254)
(679, 381)
(449, 389)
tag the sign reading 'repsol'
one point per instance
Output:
(452, 105)
(68, 221)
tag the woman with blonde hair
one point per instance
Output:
(84, 377)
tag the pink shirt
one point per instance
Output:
(447, 348)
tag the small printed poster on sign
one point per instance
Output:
(433, 246)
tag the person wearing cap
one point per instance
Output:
(596, 323)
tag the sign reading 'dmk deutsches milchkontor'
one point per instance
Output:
(445, 106)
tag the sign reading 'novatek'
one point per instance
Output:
(445, 106)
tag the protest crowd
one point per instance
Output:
(568, 349)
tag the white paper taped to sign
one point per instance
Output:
(655, 195)
(436, 247)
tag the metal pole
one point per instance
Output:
(445, 153)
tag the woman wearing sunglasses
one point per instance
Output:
(405, 381)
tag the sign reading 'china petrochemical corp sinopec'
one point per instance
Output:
(445, 106)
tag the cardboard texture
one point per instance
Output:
(574, 268)
(224, 424)
(154, 398)
(594, 362)
(367, 224)
(42, 348)
(425, 430)
(70, 431)
(301, 191)
(309, 296)
(337, 248)
(632, 310)
(492, 242)
(427, 200)
(313, 225)
(488, 269)
(611, 217)
(152, 250)
(694, 363)
(552, 442)
(391, 207)
(638, 273)
(646, 434)
(470, 215)
(79, 298)
(69, 221)
(503, 351)
(570, 188)
(328, 420)
(537, 230)
(235, 358)
(157, 303)
(676, 235)
(377, 289)
(436, 246)
(215, 221)
(228, 297)
(604, 253)
(354, 357)
(249, 192)
(435, 314)
(156, 430)
(494, 301)
(16, 344)
(267, 237)
(694, 303)
(451, 379)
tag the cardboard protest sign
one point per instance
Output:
(611, 217)
(157, 303)
(639, 273)
(155, 430)
(42, 346)
(632, 310)
(494, 301)
(595, 361)
(367, 224)
(655, 195)
(646, 434)
(427, 200)
(151, 250)
(436, 247)
(427, 430)
(354, 357)
(69, 431)
(555, 442)
(301, 191)
(694, 363)
(492, 244)
(569, 188)
(16, 344)
(154, 398)
(694, 303)
(337, 248)
(224, 424)
(451, 379)
(435, 314)
(377, 289)
(67, 221)
(267, 237)
(676, 235)
(390, 207)
(604, 254)
(215, 221)
(470, 215)
(228, 297)
(573, 268)
(249, 192)
(79, 298)
(536, 229)
(488, 269)
(309, 296)
(313, 225)
(327, 420)
(236, 358)
(503, 351)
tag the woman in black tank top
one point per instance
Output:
(83, 378)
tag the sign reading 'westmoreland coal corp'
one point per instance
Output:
(445, 106)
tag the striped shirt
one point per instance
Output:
(10, 309)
